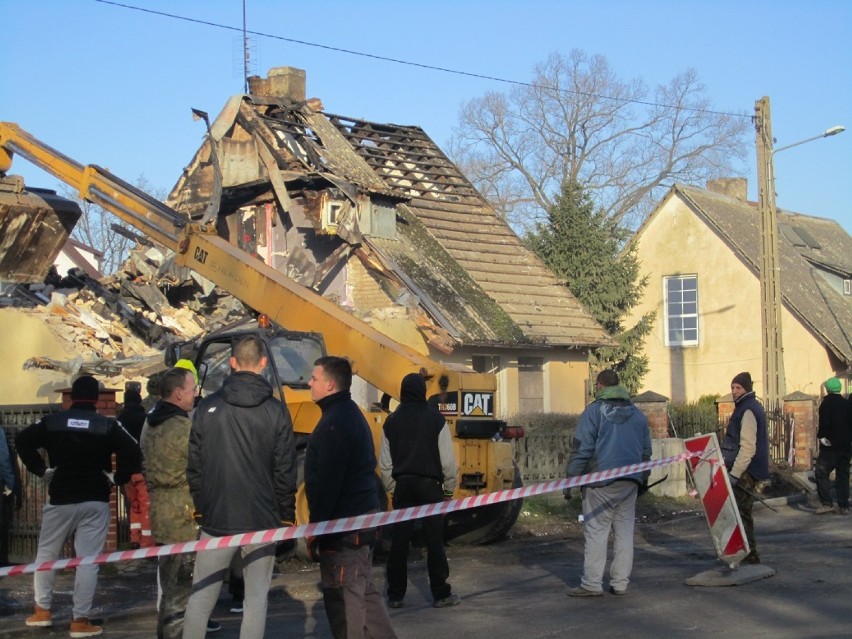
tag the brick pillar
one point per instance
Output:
(106, 406)
(656, 409)
(803, 408)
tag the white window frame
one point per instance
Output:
(688, 309)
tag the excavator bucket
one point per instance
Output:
(34, 225)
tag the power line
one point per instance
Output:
(407, 62)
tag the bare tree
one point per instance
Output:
(576, 122)
(94, 229)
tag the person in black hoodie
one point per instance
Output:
(835, 440)
(79, 444)
(132, 417)
(340, 481)
(418, 467)
(242, 477)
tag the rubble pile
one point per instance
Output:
(117, 327)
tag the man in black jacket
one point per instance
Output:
(242, 477)
(340, 481)
(79, 444)
(835, 439)
(418, 467)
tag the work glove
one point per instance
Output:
(734, 480)
(448, 496)
(110, 477)
(567, 494)
(7, 492)
(48, 475)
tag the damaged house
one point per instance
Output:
(376, 218)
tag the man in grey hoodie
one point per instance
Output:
(611, 433)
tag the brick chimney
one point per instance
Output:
(736, 187)
(282, 82)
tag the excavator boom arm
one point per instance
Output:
(377, 358)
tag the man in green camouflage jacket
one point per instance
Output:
(165, 445)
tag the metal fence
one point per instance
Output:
(25, 521)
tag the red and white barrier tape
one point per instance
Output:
(347, 524)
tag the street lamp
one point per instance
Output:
(825, 134)
(770, 268)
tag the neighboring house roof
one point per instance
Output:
(82, 256)
(466, 267)
(811, 248)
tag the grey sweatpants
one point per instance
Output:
(89, 521)
(211, 567)
(611, 507)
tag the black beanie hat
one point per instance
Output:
(744, 380)
(85, 389)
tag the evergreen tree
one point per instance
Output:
(583, 247)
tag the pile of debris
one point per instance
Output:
(118, 326)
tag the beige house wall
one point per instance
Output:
(31, 337)
(677, 242)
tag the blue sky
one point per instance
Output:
(112, 86)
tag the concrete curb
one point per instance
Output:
(785, 500)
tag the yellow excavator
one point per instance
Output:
(296, 324)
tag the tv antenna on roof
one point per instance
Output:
(246, 54)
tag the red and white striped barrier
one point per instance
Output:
(344, 525)
(714, 488)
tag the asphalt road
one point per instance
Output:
(517, 589)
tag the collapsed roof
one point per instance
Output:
(330, 188)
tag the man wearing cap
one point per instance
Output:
(746, 453)
(835, 440)
(79, 444)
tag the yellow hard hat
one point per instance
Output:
(188, 365)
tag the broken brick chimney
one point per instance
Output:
(281, 82)
(735, 187)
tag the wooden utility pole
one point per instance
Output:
(770, 261)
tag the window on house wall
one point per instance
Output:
(486, 364)
(530, 384)
(681, 297)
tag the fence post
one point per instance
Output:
(803, 409)
(656, 409)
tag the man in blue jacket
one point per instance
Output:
(341, 481)
(611, 433)
(242, 477)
